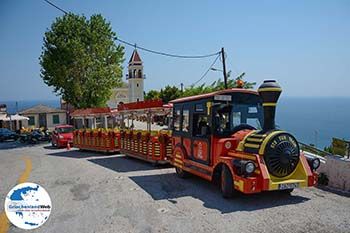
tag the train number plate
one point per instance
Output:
(288, 186)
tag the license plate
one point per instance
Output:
(288, 186)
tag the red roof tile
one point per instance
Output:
(91, 111)
(135, 57)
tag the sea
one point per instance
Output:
(312, 120)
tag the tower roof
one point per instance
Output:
(135, 57)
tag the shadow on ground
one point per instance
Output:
(169, 187)
(333, 190)
(7, 145)
(73, 153)
(126, 164)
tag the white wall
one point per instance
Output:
(338, 172)
(49, 120)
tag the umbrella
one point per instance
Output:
(15, 118)
(3, 117)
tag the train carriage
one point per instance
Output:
(137, 137)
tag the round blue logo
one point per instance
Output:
(28, 206)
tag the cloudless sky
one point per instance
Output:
(305, 45)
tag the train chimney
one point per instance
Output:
(269, 92)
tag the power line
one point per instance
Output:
(166, 54)
(206, 72)
(217, 54)
(145, 49)
(58, 8)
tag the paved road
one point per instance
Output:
(99, 193)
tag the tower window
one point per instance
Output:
(139, 74)
(137, 85)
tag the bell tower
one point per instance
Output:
(135, 77)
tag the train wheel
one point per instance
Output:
(181, 173)
(227, 183)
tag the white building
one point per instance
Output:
(133, 90)
(44, 116)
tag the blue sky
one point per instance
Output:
(305, 45)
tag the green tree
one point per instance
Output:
(217, 85)
(152, 95)
(169, 93)
(81, 61)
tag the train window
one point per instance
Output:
(200, 125)
(185, 120)
(199, 108)
(177, 120)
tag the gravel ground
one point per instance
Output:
(112, 193)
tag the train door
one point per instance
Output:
(200, 133)
(192, 131)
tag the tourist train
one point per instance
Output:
(227, 136)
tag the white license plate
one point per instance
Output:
(288, 186)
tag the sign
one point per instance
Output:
(341, 147)
(28, 206)
(223, 97)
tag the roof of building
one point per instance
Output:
(135, 57)
(41, 109)
(208, 95)
(91, 112)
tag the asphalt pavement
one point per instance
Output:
(93, 192)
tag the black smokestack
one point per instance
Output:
(270, 92)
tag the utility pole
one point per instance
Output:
(224, 66)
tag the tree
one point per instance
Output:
(81, 61)
(169, 93)
(217, 85)
(152, 95)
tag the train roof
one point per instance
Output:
(211, 94)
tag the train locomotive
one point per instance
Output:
(216, 136)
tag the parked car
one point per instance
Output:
(62, 135)
(6, 134)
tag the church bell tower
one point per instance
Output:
(135, 78)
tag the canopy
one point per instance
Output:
(18, 118)
(3, 117)
(13, 118)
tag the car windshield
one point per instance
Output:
(242, 110)
(64, 130)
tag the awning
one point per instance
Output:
(3, 117)
(18, 118)
(13, 118)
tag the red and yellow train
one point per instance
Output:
(228, 136)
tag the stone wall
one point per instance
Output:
(337, 170)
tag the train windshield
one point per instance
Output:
(242, 111)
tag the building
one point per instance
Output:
(11, 122)
(93, 118)
(119, 95)
(44, 116)
(133, 90)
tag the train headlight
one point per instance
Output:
(228, 145)
(313, 162)
(249, 167)
(316, 163)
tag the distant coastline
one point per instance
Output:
(24, 104)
